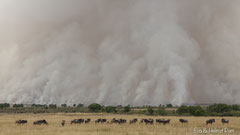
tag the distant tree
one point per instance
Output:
(127, 109)
(74, 105)
(182, 109)
(39, 105)
(219, 108)
(150, 110)
(94, 107)
(235, 107)
(80, 105)
(52, 106)
(110, 109)
(4, 105)
(161, 111)
(64, 105)
(169, 105)
(18, 105)
(196, 111)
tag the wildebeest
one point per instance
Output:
(163, 121)
(183, 121)
(87, 121)
(121, 121)
(21, 122)
(63, 123)
(40, 122)
(118, 121)
(77, 121)
(147, 121)
(133, 121)
(100, 120)
(114, 120)
(210, 121)
(224, 121)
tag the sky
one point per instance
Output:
(120, 52)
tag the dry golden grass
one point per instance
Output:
(8, 126)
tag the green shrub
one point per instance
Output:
(150, 110)
(110, 109)
(52, 106)
(126, 109)
(4, 105)
(196, 111)
(80, 105)
(219, 108)
(94, 107)
(64, 105)
(161, 111)
(182, 109)
(18, 105)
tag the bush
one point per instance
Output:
(150, 110)
(111, 109)
(4, 105)
(18, 105)
(64, 105)
(169, 105)
(196, 111)
(182, 109)
(94, 107)
(161, 111)
(235, 107)
(80, 105)
(39, 106)
(126, 109)
(53, 106)
(219, 108)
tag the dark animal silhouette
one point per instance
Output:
(21, 122)
(118, 121)
(133, 121)
(100, 120)
(63, 123)
(77, 121)
(163, 121)
(183, 121)
(147, 121)
(40, 122)
(210, 121)
(87, 121)
(224, 121)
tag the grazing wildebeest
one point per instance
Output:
(121, 121)
(21, 122)
(63, 123)
(225, 121)
(77, 121)
(162, 121)
(114, 120)
(87, 121)
(100, 120)
(40, 122)
(183, 121)
(147, 121)
(210, 121)
(133, 121)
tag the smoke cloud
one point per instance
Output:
(120, 52)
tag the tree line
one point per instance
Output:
(161, 110)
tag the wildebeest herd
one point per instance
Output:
(117, 121)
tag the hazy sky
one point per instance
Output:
(120, 52)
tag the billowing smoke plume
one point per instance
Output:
(143, 52)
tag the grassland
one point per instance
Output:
(8, 126)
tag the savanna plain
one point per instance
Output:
(8, 126)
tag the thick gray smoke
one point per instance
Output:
(143, 52)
